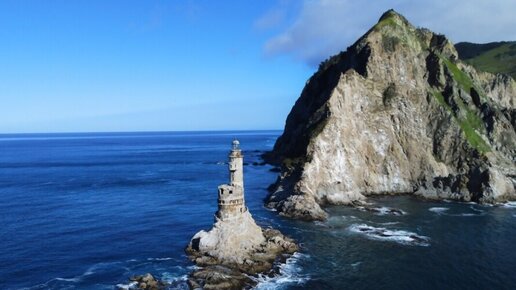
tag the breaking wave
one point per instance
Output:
(321, 224)
(61, 283)
(389, 223)
(128, 286)
(289, 274)
(383, 234)
(161, 259)
(438, 210)
(383, 210)
(444, 211)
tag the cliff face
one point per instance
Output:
(396, 113)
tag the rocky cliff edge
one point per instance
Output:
(397, 112)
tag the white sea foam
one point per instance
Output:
(346, 217)
(389, 223)
(383, 210)
(467, 214)
(476, 209)
(389, 211)
(128, 286)
(76, 279)
(383, 234)
(289, 274)
(193, 267)
(93, 269)
(354, 265)
(321, 224)
(160, 259)
(438, 210)
(170, 278)
(510, 204)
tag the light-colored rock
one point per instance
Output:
(236, 246)
(396, 113)
(230, 240)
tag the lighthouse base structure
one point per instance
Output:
(233, 251)
(230, 240)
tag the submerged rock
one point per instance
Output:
(146, 282)
(396, 113)
(236, 246)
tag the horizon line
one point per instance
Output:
(138, 131)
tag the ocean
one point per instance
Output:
(90, 210)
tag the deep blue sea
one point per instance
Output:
(88, 211)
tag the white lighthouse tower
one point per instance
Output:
(231, 196)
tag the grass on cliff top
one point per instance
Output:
(388, 21)
(499, 57)
(399, 33)
(468, 124)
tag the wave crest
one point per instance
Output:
(383, 234)
(289, 274)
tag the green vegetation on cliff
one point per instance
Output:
(469, 123)
(494, 57)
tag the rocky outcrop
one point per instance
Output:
(397, 112)
(146, 282)
(228, 241)
(232, 269)
(236, 247)
(233, 251)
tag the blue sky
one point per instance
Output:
(75, 66)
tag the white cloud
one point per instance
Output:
(270, 19)
(325, 27)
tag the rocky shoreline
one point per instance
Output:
(221, 273)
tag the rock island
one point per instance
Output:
(236, 247)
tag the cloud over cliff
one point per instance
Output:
(324, 27)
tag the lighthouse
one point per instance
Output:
(235, 240)
(231, 204)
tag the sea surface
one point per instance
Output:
(88, 211)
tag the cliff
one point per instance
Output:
(397, 112)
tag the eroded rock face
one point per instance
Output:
(223, 267)
(396, 113)
(229, 240)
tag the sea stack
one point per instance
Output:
(236, 246)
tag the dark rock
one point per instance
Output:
(148, 282)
